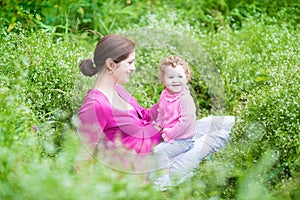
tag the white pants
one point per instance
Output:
(164, 152)
(212, 134)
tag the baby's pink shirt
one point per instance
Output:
(99, 121)
(177, 115)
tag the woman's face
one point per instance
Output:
(124, 69)
(174, 79)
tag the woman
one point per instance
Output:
(116, 129)
(112, 123)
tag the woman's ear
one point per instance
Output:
(109, 63)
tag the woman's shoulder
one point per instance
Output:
(95, 99)
(95, 95)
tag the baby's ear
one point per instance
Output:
(188, 78)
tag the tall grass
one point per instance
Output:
(256, 62)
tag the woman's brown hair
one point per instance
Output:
(114, 46)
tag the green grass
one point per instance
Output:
(245, 59)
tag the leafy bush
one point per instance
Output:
(48, 65)
(271, 101)
(16, 116)
(27, 175)
(237, 51)
(264, 75)
(38, 72)
(275, 108)
(106, 16)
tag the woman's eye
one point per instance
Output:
(131, 62)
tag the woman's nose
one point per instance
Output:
(132, 67)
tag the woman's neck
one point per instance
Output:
(106, 84)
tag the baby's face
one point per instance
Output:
(174, 79)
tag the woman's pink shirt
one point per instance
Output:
(100, 122)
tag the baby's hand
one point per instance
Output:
(166, 135)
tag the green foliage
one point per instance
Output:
(25, 175)
(16, 116)
(38, 72)
(268, 74)
(244, 54)
(245, 57)
(108, 15)
(219, 178)
(261, 71)
(285, 12)
(275, 108)
(48, 65)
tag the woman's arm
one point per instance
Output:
(153, 112)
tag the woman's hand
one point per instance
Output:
(158, 127)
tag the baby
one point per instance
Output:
(176, 117)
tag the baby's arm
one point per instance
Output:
(186, 121)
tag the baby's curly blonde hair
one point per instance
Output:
(174, 61)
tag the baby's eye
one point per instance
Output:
(170, 76)
(180, 76)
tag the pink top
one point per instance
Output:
(177, 115)
(99, 121)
